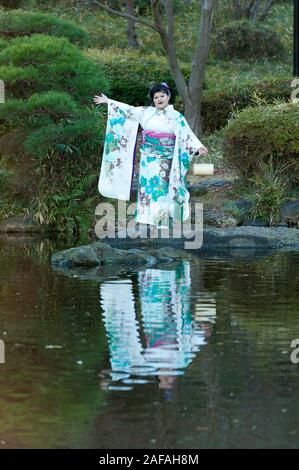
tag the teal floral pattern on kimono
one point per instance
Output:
(162, 337)
(153, 190)
(164, 161)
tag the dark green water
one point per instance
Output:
(193, 355)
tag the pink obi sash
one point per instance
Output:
(159, 135)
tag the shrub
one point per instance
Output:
(269, 189)
(246, 39)
(261, 132)
(219, 105)
(25, 23)
(48, 63)
(130, 74)
(58, 138)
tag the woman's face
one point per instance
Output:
(161, 99)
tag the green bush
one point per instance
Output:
(131, 73)
(269, 191)
(12, 3)
(219, 105)
(246, 40)
(24, 23)
(259, 133)
(49, 63)
(3, 43)
(49, 83)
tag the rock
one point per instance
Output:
(108, 254)
(138, 256)
(132, 256)
(238, 208)
(197, 189)
(239, 204)
(250, 237)
(282, 224)
(21, 224)
(290, 213)
(78, 256)
(203, 186)
(255, 223)
(216, 219)
(172, 253)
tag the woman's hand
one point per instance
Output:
(100, 99)
(202, 151)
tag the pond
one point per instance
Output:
(192, 354)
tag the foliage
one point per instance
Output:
(259, 133)
(269, 189)
(49, 63)
(49, 82)
(70, 210)
(219, 105)
(131, 73)
(246, 39)
(21, 23)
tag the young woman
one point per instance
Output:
(166, 152)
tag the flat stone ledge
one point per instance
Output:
(219, 239)
(22, 224)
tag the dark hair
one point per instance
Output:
(158, 87)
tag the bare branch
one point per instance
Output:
(125, 15)
(158, 22)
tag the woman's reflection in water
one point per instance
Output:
(150, 329)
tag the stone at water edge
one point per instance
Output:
(78, 256)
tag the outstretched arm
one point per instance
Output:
(130, 112)
(100, 99)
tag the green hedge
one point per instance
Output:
(24, 23)
(258, 133)
(40, 63)
(131, 73)
(50, 134)
(218, 105)
(246, 40)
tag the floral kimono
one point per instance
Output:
(164, 337)
(166, 152)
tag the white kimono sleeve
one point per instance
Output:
(119, 150)
(186, 145)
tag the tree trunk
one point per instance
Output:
(199, 64)
(190, 93)
(192, 114)
(131, 30)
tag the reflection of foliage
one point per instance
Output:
(50, 400)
